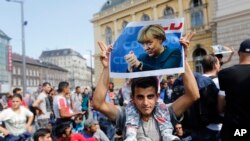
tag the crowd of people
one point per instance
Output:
(187, 107)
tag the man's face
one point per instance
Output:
(93, 128)
(47, 88)
(78, 90)
(217, 66)
(164, 85)
(171, 80)
(66, 90)
(179, 130)
(111, 86)
(47, 137)
(16, 102)
(68, 132)
(145, 100)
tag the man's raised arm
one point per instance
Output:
(190, 85)
(99, 96)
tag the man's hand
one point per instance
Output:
(39, 112)
(185, 41)
(29, 128)
(232, 49)
(132, 60)
(104, 55)
(5, 132)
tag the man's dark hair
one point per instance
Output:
(46, 83)
(208, 63)
(77, 87)
(169, 77)
(62, 85)
(219, 56)
(16, 90)
(144, 82)
(18, 96)
(41, 133)
(61, 129)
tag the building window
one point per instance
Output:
(27, 72)
(168, 12)
(31, 74)
(14, 70)
(34, 72)
(196, 3)
(18, 71)
(19, 82)
(197, 57)
(196, 11)
(14, 82)
(108, 34)
(145, 17)
(124, 24)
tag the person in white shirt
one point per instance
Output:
(42, 104)
(17, 120)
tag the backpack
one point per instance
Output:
(203, 111)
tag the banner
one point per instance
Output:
(10, 63)
(170, 59)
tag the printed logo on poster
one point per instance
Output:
(170, 61)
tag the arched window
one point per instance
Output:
(145, 17)
(168, 12)
(196, 3)
(196, 13)
(197, 57)
(124, 24)
(108, 35)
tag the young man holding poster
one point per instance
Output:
(144, 98)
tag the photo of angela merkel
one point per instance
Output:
(156, 55)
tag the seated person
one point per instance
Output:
(92, 129)
(77, 124)
(42, 134)
(64, 133)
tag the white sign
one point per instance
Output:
(220, 49)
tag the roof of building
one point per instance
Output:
(3, 35)
(110, 3)
(19, 58)
(52, 66)
(61, 52)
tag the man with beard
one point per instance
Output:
(43, 107)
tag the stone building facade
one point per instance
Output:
(232, 18)
(73, 62)
(36, 73)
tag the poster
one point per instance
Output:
(170, 60)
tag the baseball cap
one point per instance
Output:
(90, 122)
(245, 46)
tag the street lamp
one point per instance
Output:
(23, 23)
(91, 73)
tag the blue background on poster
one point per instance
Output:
(127, 42)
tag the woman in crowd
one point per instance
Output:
(17, 120)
